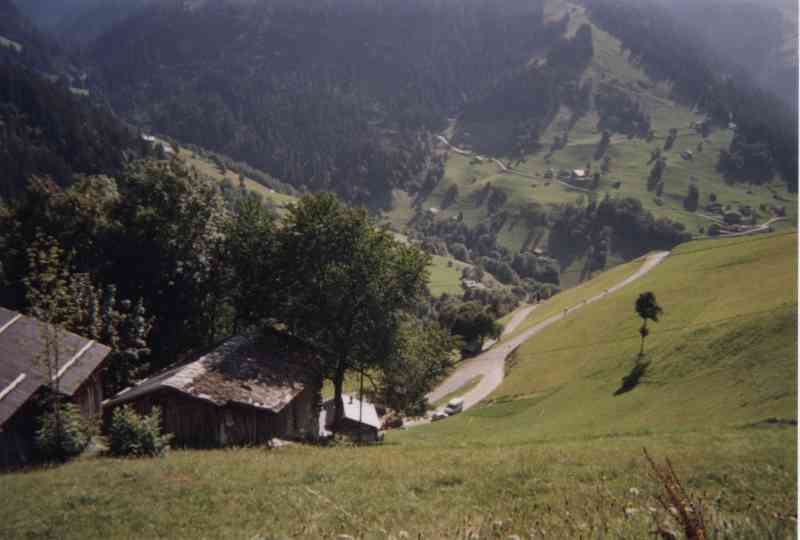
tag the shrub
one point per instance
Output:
(132, 434)
(733, 218)
(65, 433)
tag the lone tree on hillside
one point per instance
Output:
(649, 310)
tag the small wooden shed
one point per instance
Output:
(23, 380)
(360, 420)
(249, 390)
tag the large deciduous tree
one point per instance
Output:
(166, 251)
(155, 231)
(422, 355)
(345, 285)
(249, 250)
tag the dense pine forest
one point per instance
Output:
(339, 96)
(45, 130)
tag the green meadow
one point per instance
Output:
(553, 453)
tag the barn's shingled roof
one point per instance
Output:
(245, 369)
(21, 350)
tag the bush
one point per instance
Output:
(733, 218)
(132, 434)
(64, 435)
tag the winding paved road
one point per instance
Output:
(490, 365)
(519, 315)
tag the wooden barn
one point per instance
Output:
(247, 391)
(23, 380)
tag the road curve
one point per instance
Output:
(519, 315)
(490, 365)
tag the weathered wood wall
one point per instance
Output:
(197, 423)
(89, 397)
(18, 435)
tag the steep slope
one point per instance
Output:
(555, 456)
(338, 96)
(80, 21)
(648, 123)
(46, 130)
(47, 126)
(759, 38)
(547, 87)
(722, 356)
(20, 42)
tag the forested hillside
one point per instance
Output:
(758, 38)
(340, 96)
(627, 110)
(582, 135)
(375, 187)
(79, 21)
(766, 136)
(20, 41)
(47, 126)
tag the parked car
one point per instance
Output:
(438, 415)
(454, 406)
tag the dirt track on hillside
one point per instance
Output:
(490, 365)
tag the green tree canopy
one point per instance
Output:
(648, 309)
(344, 285)
(422, 355)
(471, 321)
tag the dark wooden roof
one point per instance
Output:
(249, 370)
(21, 372)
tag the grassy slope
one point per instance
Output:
(207, 168)
(557, 454)
(721, 357)
(577, 294)
(445, 272)
(446, 276)
(558, 491)
(629, 157)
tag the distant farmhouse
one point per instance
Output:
(471, 284)
(156, 143)
(249, 390)
(23, 380)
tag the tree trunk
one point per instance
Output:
(338, 404)
(643, 332)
